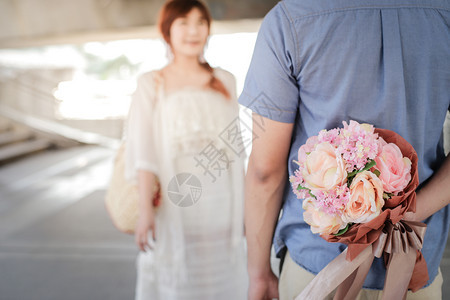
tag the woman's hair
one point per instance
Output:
(174, 9)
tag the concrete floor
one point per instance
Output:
(56, 240)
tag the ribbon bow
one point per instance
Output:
(400, 243)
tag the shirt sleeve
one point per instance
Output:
(139, 141)
(270, 88)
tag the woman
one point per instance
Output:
(192, 244)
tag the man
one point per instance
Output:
(317, 63)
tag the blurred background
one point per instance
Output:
(67, 70)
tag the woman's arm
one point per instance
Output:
(146, 220)
(264, 185)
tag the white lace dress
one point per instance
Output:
(189, 139)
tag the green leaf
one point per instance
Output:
(299, 187)
(343, 230)
(387, 196)
(351, 174)
(349, 181)
(369, 165)
(376, 172)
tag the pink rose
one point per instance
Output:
(366, 198)
(395, 170)
(356, 127)
(323, 169)
(307, 148)
(321, 222)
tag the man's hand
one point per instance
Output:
(263, 288)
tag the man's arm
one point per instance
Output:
(265, 182)
(434, 195)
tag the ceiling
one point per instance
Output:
(27, 23)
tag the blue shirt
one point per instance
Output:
(317, 63)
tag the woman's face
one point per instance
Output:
(188, 34)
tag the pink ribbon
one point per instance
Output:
(400, 243)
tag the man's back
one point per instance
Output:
(381, 62)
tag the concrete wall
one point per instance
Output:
(27, 96)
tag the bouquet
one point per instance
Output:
(356, 183)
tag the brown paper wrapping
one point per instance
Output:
(398, 241)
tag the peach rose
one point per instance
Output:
(323, 169)
(395, 170)
(366, 198)
(320, 221)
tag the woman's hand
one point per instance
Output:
(145, 223)
(146, 220)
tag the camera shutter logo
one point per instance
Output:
(184, 189)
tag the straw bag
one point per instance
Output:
(122, 196)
